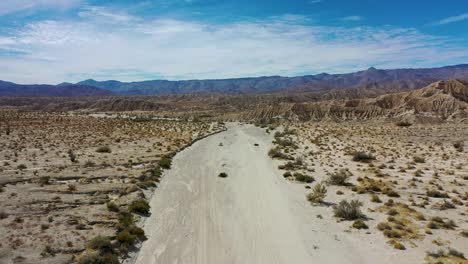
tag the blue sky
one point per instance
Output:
(50, 41)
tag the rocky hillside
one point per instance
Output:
(442, 100)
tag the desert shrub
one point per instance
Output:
(348, 210)
(71, 187)
(48, 251)
(359, 224)
(339, 178)
(44, 180)
(165, 162)
(303, 178)
(318, 194)
(139, 206)
(125, 237)
(146, 184)
(456, 253)
(100, 243)
(287, 174)
(222, 175)
(439, 223)
(459, 146)
(97, 258)
(72, 156)
(384, 226)
(419, 159)
(363, 157)
(436, 194)
(103, 149)
(463, 233)
(89, 164)
(390, 192)
(375, 198)
(21, 167)
(444, 205)
(113, 207)
(404, 124)
(398, 245)
(3, 215)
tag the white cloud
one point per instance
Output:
(352, 18)
(13, 6)
(451, 19)
(315, 1)
(134, 49)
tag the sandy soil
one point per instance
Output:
(252, 216)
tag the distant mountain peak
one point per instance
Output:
(372, 69)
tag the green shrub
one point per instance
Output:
(303, 178)
(139, 206)
(101, 244)
(97, 258)
(349, 210)
(125, 237)
(165, 162)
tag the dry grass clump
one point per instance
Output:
(400, 223)
(339, 178)
(318, 194)
(359, 224)
(451, 256)
(439, 223)
(437, 194)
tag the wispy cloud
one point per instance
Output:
(451, 19)
(71, 50)
(315, 1)
(13, 6)
(352, 18)
(106, 14)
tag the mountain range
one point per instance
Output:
(370, 82)
(13, 90)
(372, 78)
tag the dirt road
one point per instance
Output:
(252, 216)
